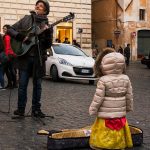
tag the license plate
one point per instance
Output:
(85, 71)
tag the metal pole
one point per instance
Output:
(81, 40)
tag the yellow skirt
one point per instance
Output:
(104, 137)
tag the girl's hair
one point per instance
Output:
(97, 65)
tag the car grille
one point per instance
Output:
(83, 71)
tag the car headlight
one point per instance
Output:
(64, 62)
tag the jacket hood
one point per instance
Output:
(113, 63)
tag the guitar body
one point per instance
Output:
(21, 48)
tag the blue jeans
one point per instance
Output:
(24, 76)
(1, 76)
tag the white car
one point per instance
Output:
(67, 61)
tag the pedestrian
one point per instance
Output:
(112, 100)
(127, 54)
(9, 68)
(66, 41)
(1, 64)
(95, 51)
(33, 62)
(57, 41)
(76, 44)
(113, 46)
(120, 50)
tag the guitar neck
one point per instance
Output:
(65, 19)
(55, 23)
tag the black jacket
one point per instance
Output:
(127, 52)
(1, 44)
(45, 42)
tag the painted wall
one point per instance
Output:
(103, 21)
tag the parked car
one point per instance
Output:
(67, 61)
(146, 61)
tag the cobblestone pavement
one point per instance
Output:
(68, 102)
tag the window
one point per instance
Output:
(142, 14)
(64, 30)
(109, 43)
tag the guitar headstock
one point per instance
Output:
(69, 17)
(65, 19)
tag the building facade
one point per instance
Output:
(120, 22)
(79, 28)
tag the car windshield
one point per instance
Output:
(68, 50)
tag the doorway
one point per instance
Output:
(143, 43)
(64, 30)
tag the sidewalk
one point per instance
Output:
(68, 102)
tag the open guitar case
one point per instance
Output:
(79, 138)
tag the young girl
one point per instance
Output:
(112, 100)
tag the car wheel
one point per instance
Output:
(91, 82)
(54, 73)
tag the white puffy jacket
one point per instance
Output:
(113, 96)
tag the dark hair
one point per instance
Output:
(97, 68)
(7, 26)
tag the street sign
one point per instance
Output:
(133, 34)
(117, 32)
(80, 30)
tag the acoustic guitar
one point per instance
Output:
(22, 47)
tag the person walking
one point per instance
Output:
(112, 100)
(127, 54)
(9, 66)
(95, 51)
(33, 62)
